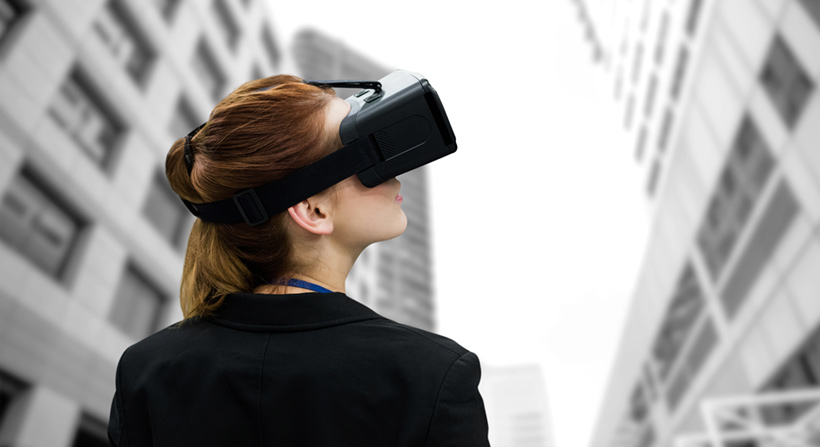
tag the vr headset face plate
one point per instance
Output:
(394, 126)
(405, 119)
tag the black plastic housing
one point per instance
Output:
(405, 120)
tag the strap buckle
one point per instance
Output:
(250, 207)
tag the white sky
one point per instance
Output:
(539, 217)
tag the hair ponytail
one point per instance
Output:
(253, 137)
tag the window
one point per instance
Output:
(801, 371)
(36, 225)
(663, 31)
(746, 172)
(647, 438)
(270, 46)
(256, 72)
(364, 292)
(165, 211)
(10, 388)
(654, 176)
(813, 7)
(10, 13)
(804, 367)
(227, 23)
(687, 305)
(696, 355)
(90, 122)
(183, 120)
(694, 15)
(666, 128)
(680, 72)
(638, 404)
(765, 237)
(645, 14)
(91, 432)
(787, 84)
(206, 67)
(137, 305)
(168, 8)
(125, 42)
(649, 381)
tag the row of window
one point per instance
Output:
(88, 120)
(169, 8)
(687, 334)
(784, 79)
(84, 115)
(129, 46)
(37, 224)
(90, 432)
(684, 342)
(651, 92)
(746, 172)
(679, 73)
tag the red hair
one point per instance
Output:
(259, 133)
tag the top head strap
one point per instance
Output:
(189, 154)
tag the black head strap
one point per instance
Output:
(189, 154)
(255, 205)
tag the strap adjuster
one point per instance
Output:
(250, 207)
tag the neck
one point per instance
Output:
(328, 268)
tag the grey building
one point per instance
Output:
(722, 342)
(518, 413)
(395, 277)
(91, 237)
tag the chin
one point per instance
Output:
(400, 226)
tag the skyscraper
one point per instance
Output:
(722, 342)
(91, 236)
(516, 401)
(395, 277)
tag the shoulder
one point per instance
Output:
(425, 339)
(399, 344)
(167, 342)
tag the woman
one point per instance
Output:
(261, 358)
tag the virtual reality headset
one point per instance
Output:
(395, 125)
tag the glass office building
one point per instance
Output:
(722, 343)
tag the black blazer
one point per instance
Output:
(297, 370)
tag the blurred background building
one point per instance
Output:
(516, 401)
(91, 236)
(395, 278)
(722, 343)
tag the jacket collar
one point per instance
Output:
(293, 312)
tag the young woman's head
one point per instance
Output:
(259, 133)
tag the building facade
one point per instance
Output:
(91, 236)
(395, 278)
(722, 342)
(517, 411)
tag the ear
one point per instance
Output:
(311, 217)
